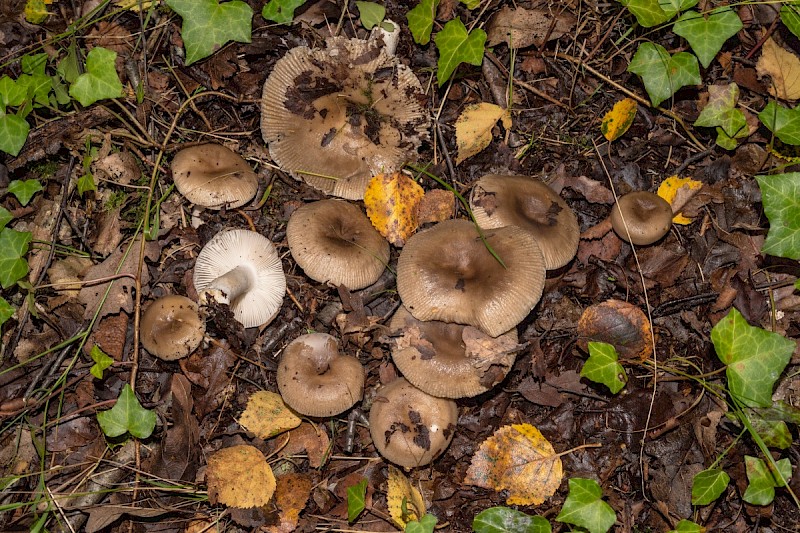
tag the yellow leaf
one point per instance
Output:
(474, 128)
(239, 476)
(403, 499)
(677, 191)
(133, 5)
(391, 203)
(266, 415)
(36, 10)
(784, 69)
(619, 119)
(517, 459)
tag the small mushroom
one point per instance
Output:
(213, 176)
(333, 241)
(641, 217)
(410, 427)
(171, 327)
(241, 268)
(315, 379)
(499, 200)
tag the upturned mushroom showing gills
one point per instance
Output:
(447, 273)
(410, 427)
(241, 268)
(315, 379)
(641, 217)
(213, 176)
(337, 116)
(171, 327)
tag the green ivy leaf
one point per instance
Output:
(370, 13)
(5, 217)
(100, 79)
(782, 121)
(687, 526)
(709, 485)
(790, 16)
(721, 113)
(603, 367)
(423, 525)
(648, 13)
(6, 311)
(101, 361)
(281, 11)
(663, 74)
(24, 189)
(127, 416)
(356, 499)
(707, 35)
(68, 67)
(86, 183)
(457, 46)
(505, 520)
(585, 508)
(774, 433)
(34, 63)
(11, 93)
(673, 7)
(13, 247)
(13, 133)
(420, 20)
(471, 4)
(761, 490)
(37, 87)
(780, 195)
(208, 25)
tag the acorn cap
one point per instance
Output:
(500, 200)
(171, 327)
(337, 116)
(447, 273)
(241, 268)
(315, 379)
(213, 176)
(410, 427)
(333, 241)
(647, 216)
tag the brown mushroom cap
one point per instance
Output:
(499, 200)
(647, 216)
(410, 427)
(213, 176)
(450, 360)
(315, 379)
(348, 112)
(446, 273)
(333, 241)
(171, 327)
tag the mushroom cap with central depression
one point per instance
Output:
(171, 327)
(213, 176)
(643, 216)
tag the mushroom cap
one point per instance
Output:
(450, 360)
(499, 200)
(348, 112)
(410, 427)
(647, 216)
(171, 327)
(333, 241)
(446, 273)
(254, 258)
(315, 379)
(213, 176)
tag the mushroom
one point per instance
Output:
(450, 360)
(410, 427)
(171, 327)
(641, 217)
(447, 273)
(241, 268)
(333, 241)
(315, 379)
(213, 176)
(499, 200)
(337, 116)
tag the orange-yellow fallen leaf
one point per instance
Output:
(403, 499)
(517, 459)
(435, 206)
(619, 119)
(619, 323)
(312, 440)
(239, 476)
(677, 191)
(783, 67)
(474, 128)
(291, 495)
(266, 415)
(391, 203)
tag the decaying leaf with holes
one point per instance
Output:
(403, 499)
(391, 202)
(239, 476)
(677, 191)
(474, 128)
(266, 415)
(619, 119)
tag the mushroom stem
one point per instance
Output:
(229, 286)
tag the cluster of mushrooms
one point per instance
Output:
(352, 109)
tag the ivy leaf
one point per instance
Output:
(780, 195)
(281, 11)
(505, 520)
(709, 485)
(13, 247)
(86, 183)
(423, 525)
(356, 498)
(68, 67)
(603, 366)
(11, 93)
(37, 87)
(24, 190)
(127, 416)
(585, 508)
(663, 74)
(720, 112)
(648, 13)
(5, 217)
(101, 361)
(457, 46)
(370, 13)
(208, 25)
(13, 133)
(687, 526)
(673, 7)
(782, 121)
(471, 4)
(790, 16)
(100, 79)
(34, 63)
(420, 20)
(761, 490)
(707, 35)
(6, 311)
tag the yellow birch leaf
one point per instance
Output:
(239, 476)
(266, 415)
(391, 203)
(403, 499)
(36, 11)
(619, 119)
(784, 69)
(474, 128)
(677, 191)
(517, 459)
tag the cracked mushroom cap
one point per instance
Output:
(337, 116)
(171, 327)
(499, 200)
(446, 273)
(410, 427)
(647, 216)
(450, 360)
(241, 268)
(315, 379)
(213, 176)
(333, 241)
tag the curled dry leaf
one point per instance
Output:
(391, 202)
(620, 324)
(474, 128)
(784, 69)
(404, 501)
(291, 495)
(521, 27)
(239, 476)
(677, 191)
(310, 439)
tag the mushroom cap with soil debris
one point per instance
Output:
(171, 327)
(213, 176)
